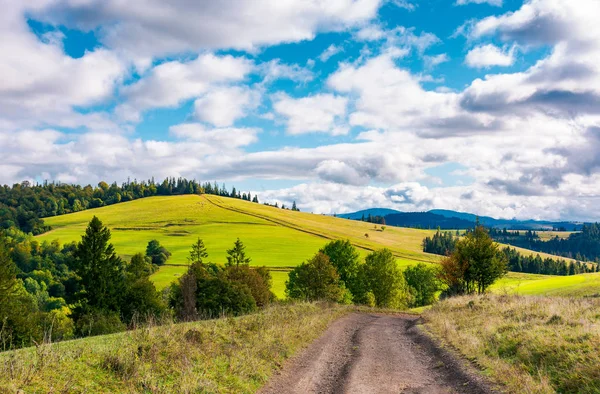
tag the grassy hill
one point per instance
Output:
(228, 355)
(276, 238)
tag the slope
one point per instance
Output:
(276, 238)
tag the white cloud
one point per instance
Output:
(40, 84)
(170, 83)
(220, 137)
(433, 61)
(398, 37)
(318, 113)
(497, 3)
(331, 51)
(490, 55)
(158, 28)
(223, 106)
(275, 69)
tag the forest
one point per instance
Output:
(581, 246)
(444, 243)
(24, 204)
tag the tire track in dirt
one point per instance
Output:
(373, 353)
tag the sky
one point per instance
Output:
(483, 106)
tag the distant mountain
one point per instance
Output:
(448, 219)
(372, 211)
(510, 224)
(427, 220)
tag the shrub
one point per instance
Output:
(385, 280)
(99, 323)
(423, 284)
(158, 254)
(316, 279)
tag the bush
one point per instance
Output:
(316, 279)
(158, 254)
(346, 260)
(258, 280)
(423, 284)
(384, 279)
(99, 323)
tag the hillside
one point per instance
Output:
(228, 355)
(279, 239)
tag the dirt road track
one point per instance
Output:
(370, 353)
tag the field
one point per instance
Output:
(276, 238)
(229, 355)
(583, 285)
(529, 344)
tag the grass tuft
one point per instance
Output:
(529, 344)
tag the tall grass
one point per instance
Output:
(530, 344)
(228, 355)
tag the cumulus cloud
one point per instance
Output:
(224, 105)
(490, 55)
(318, 113)
(170, 83)
(157, 28)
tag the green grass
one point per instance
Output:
(567, 286)
(529, 344)
(230, 355)
(273, 237)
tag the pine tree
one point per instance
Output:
(198, 252)
(294, 208)
(100, 269)
(237, 255)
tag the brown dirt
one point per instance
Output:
(372, 353)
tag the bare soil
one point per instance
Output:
(373, 353)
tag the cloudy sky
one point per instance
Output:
(484, 106)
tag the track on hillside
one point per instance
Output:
(373, 353)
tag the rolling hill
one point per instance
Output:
(276, 238)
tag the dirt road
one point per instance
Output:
(368, 353)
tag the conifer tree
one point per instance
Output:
(100, 269)
(237, 255)
(198, 252)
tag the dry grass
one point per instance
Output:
(229, 355)
(529, 344)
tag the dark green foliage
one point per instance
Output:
(584, 245)
(98, 322)
(383, 278)
(8, 273)
(316, 279)
(442, 243)
(141, 300)
(158, 254)
(258, 281)
(237, 255)
(346, 260)
(198, 252)
(423, 284)
(475, 264)
(102, 272)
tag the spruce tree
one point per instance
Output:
(237, 255)
(198, 252)
(100, 269)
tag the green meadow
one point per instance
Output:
(275, 238)
(582, 285)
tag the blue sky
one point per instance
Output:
(486, 106)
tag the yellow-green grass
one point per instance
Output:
(274, 237)
(546, 235)
(528, 344)
(581, 285)
(230, 355)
